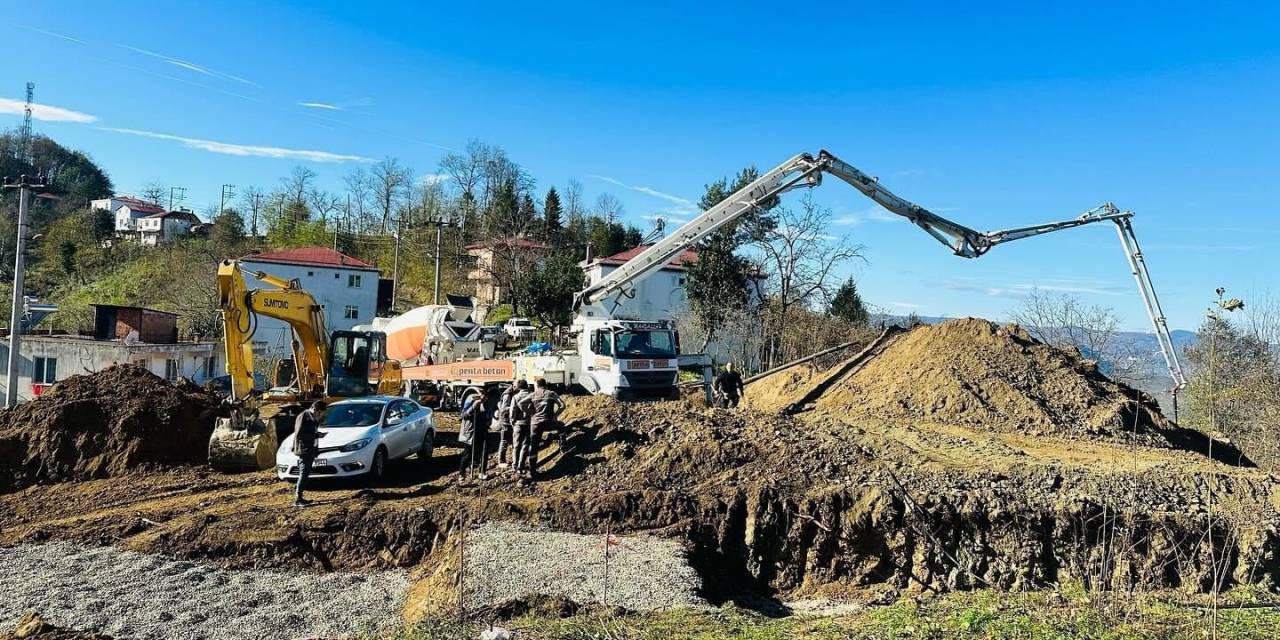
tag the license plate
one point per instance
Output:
(320, 462)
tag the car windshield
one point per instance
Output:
(356, 414)
(646, 343)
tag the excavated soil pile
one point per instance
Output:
(977, 373)
(104, 424)
(920, 469)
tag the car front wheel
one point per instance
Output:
(428, 447)
(378, 468)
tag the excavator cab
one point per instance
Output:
(357, 364)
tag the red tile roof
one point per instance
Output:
(678, 263)
(522, 243)
(314, 256)
(139, 206)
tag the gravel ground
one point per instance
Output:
(506, 561)
(134, 595)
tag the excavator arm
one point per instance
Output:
(287, 302)
(805, 170)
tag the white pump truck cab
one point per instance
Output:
(627, 359)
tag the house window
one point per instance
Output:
(681, 282)
(351, 312)
(310, 273)
(210, 367)
(171, 370)
(353, 281)
(46, 371)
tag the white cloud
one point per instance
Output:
(870, 214)
(320, 105)
(44, 111)
(682, 205)
(672, 222)
(1024, 289)
(54, 34)
(435, 178)
(907, 305)
(244, 149)
(190, 66)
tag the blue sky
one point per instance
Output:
(996, 117)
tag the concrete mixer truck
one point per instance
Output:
(443, 352)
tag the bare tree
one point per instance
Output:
(574, 209)
(324, 203)
(251, 201)
(296, 185)
(800, 259)
(1063, 321)
(609, 207)
(154, 192)
(359, 190)
(390, 181)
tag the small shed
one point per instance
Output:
(117, 322)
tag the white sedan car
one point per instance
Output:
(359, 436)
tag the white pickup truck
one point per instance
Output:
(520, 330)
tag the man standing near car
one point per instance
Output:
(546, 408)
(306, 445)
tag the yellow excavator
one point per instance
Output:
(344, 364)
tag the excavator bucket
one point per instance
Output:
(243, 443)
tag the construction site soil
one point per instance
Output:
(955, 456)
(121, 420)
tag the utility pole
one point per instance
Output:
(24, 186)
(439, 224)
(228, 192)
(182, 194)
(395, 265)
(257, 204)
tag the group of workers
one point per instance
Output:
(520, 413)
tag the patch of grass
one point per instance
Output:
(1066, 614)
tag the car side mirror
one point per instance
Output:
(394, 420)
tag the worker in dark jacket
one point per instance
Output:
(520, 415)
(546, 407)
(306, 445)
(728, 387)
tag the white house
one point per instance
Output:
(122, 335)
(165, 226)
(126, 210)
(345, 287)
(659, 296)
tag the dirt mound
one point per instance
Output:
(104, 424)
(974, 372)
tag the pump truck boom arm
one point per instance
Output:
(805, 170)
(286, 301)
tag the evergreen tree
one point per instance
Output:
(548, 290)
(551, 211)
(847, 304)
(717, 283)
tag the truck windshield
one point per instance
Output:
(356, 414)
(646, 343)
